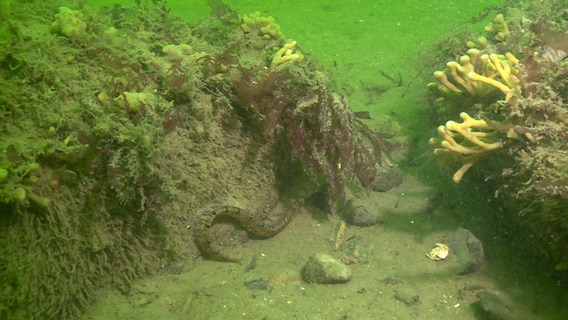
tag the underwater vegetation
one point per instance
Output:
(510, 89)
(88, 97)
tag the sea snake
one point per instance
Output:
(253, 224)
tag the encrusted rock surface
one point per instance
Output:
(325, 269)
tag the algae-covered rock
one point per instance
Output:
(387, 178)
(324, 269)
(361, 216)
(69, 23)
(468, 249)
(494, 307)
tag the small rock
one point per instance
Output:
(407, 295)
(354, 253)
(468, 249)
(495, 308)
(360, 216)
(325, 269)
(391, 280)
(257, 284)
(387, 178)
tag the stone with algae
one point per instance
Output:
(69, 23)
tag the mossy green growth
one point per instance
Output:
(19, 194)
(3, 174)
(133, 101)
(69, 23)
(64, 229)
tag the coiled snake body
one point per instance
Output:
(253, 224)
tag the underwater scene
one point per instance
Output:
(223, 159)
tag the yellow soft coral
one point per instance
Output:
(464, 143)
(505, 68)
(499, 27)
(479, 43)
(286, 54)
(267, 28)
(479, 74)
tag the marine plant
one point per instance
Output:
(313, 124)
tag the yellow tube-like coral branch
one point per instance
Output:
(456, 71)
(458, 175)
(492, 82)
(480, 74)
(499, 26)
(464, 143)
(512, 58)
(508, 82)
(479, 43)
(443, 79)
(464, 129)
(286, 54)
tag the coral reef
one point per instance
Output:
(514, 82)
(479, 74)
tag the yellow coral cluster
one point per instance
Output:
(499, 27)
(479, 43)
(479, 74)
(267, 28)
(464, 143)
(182, 55)
(133, 101)
(286, 54)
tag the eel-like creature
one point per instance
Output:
(253, 224)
